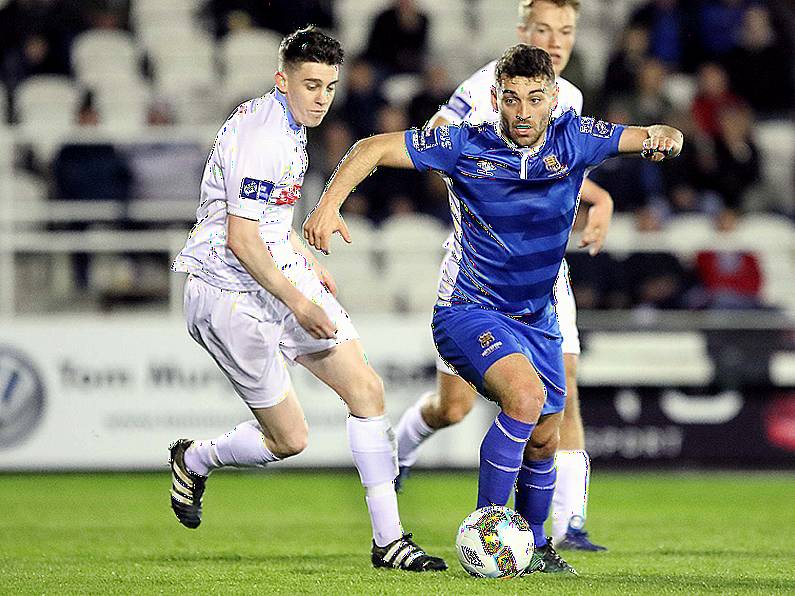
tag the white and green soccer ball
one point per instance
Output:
(494, 542)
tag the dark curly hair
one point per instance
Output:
(523, 60)
(309, 45)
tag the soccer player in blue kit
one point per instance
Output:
(513, 191)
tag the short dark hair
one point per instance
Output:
(523, 60)
(309, 45)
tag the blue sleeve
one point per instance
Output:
(435, 149)
(596, 140)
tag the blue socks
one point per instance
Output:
(534, 488)
(501, 458)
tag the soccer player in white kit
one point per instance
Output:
(551, 25)
(255, 298)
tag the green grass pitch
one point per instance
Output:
(284, 532)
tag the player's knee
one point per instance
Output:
(539, 448)
(366, 395)
(455, 410)
(524, 403)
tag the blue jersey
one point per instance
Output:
(512, 207)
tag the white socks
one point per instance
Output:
(374, 451)
(571, 492)
(412, 430)
(242, 446)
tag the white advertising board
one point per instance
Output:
(112, 393)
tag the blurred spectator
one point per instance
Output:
(160, 113)
(712, 96)
(719, 24)
(631, 182)
(398, 40)
(656, 280)
(735, 164)
(622, 70)
(35, 37)
(363, 98)
(391, 190)
(758, 66)
(648, 105)
(666, 22)
(436, 90)
(282, 16)
(598, 281)
(87, 114)
(729, 279)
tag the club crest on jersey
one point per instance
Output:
(552, 164)
(486, 339)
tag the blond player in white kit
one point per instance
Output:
(255, 298)
(551, 25)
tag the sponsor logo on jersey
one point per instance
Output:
(486, 167)
(288, 195)
(428, 139)
(596, 128)
(256, 190)
(603, 129)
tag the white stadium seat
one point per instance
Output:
(51, 100)
(412, 249)
(249, 59)
(101, 58)
(776, 140)
(359, 284)
(123, 106)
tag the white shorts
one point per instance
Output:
(564, 305)
(249, 334)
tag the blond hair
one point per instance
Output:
(526, 7)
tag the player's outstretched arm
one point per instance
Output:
(244, 240)
(655, 143)
(600, 214)
(381, 150)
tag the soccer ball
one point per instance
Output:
(494, 542)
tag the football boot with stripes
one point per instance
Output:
(405, 554)
(187, 488)
(552, 561)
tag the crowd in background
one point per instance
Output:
(738, 52)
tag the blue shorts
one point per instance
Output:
(470, 339)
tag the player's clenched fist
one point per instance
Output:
(321, 223)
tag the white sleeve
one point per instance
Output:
(256, 165)
(459, 105)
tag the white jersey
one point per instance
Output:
(255, 170)
(471, 102)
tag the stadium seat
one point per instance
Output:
(399, 89)
(772, 238)
(144, 13)
(102, 58)
(776, 140)
(645, 358)
(123, 106)
(680, 89)
(359, 286)
(50, 100)
(249, 59)
(691, 232)
(412, 248)
(355, 20)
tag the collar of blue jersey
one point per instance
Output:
(282, 99)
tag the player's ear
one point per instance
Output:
(281, 81)
(555, 95)
(494, 98)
